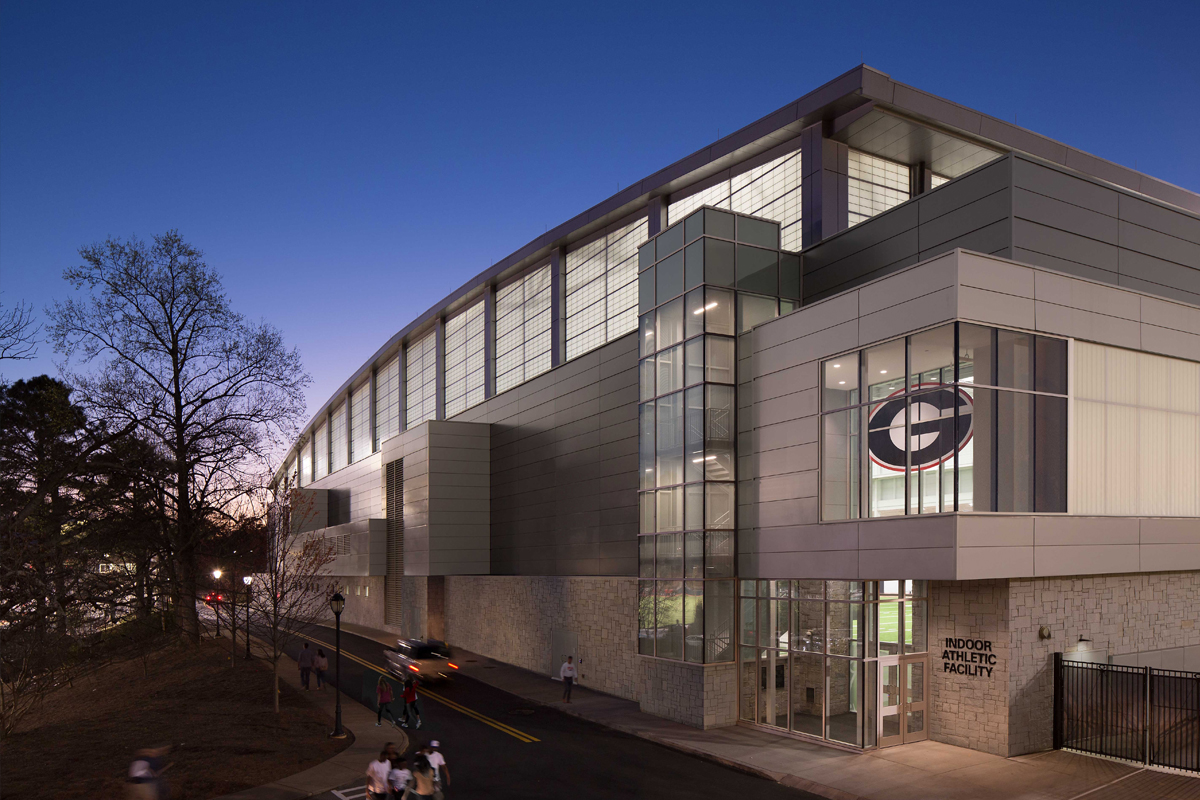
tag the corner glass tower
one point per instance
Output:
(701, 282)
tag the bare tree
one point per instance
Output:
(293, 592)
(214, 392)
(18, 333)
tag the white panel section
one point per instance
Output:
(306, 465)
(464, 360)
(421, 381)
(771, 190)
(337, 445)
(1137, 433)
(602, 288)
(322, 446)
(387, 400)
(875, 185)
(523, 329)
(360, 421)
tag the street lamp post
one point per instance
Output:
(246, 579)
(217, 602)
(336, 604)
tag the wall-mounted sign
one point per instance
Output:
(931, 420)
(972, 657)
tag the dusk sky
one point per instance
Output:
(344, 166)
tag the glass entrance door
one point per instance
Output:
(903, 690)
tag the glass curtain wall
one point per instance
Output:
(337, 442)
(321, 447)
(957, 418)
(808, 652)
(523, 329)
(387, 401)
(361, 444)
(770, 190)
(875, 184)
(465, 360)
(306, 462)
(420, 381)
(688, 294)
(601, 279)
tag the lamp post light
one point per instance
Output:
(217, 600)
(246, 579)
(336, 604)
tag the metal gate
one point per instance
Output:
(1142, 714)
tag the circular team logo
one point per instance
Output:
(933, 435)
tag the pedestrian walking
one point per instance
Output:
(399, 778)
(568, 673)
(422, 778)
(441, 773)
(320, 666)
(383, 699)
(412, 707)
(377, 777)
(305, 662)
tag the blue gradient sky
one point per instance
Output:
(347, 165)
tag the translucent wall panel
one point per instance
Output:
(387, 400)
(360, 421)
(523, 329)
(421, 381)
(771, 190)
(875, 185)
(937, 180)
(337, 447)
(322, 450)
(465, 371)
(1136, 433)
(602, 289)
(306, 463)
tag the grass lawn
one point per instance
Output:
(219, 720)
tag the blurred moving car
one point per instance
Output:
(427, 661)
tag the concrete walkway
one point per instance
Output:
(921, 771)
(347, 766)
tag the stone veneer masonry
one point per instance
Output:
(1012, 712)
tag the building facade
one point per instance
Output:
(840, 427)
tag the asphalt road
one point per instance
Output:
(572, 759)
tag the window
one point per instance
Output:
(909, 427)
(1137, 440)
(306, 462)
(337, 442)
(771, 190)
(875, 185)
(387, 401)
(464, 360)
(421, 379)
(523, 329)
(322, 449)
(602, 288)
(360, 422)
(936, 180)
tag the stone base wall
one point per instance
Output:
(514, 619)
(414, 608)
(364, 601)
(703, 696)
(969, 710)
(1119, 613)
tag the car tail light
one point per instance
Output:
(414, 669)
(452, 666)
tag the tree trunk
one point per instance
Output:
(275, 682)
(185, 606)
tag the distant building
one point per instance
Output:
(813, 430)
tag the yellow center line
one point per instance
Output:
(486, 720)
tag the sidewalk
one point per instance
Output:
(345, 767)
(922, 771)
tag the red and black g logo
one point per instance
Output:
(934, 436)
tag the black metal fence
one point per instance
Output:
(1142, 714)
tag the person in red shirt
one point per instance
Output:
(412, 708)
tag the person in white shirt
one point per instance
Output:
(377, 777)
(568, 674)
(399, 777)
(441, 773)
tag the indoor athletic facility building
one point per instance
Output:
(840, 427)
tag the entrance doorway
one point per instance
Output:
(903, 695)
